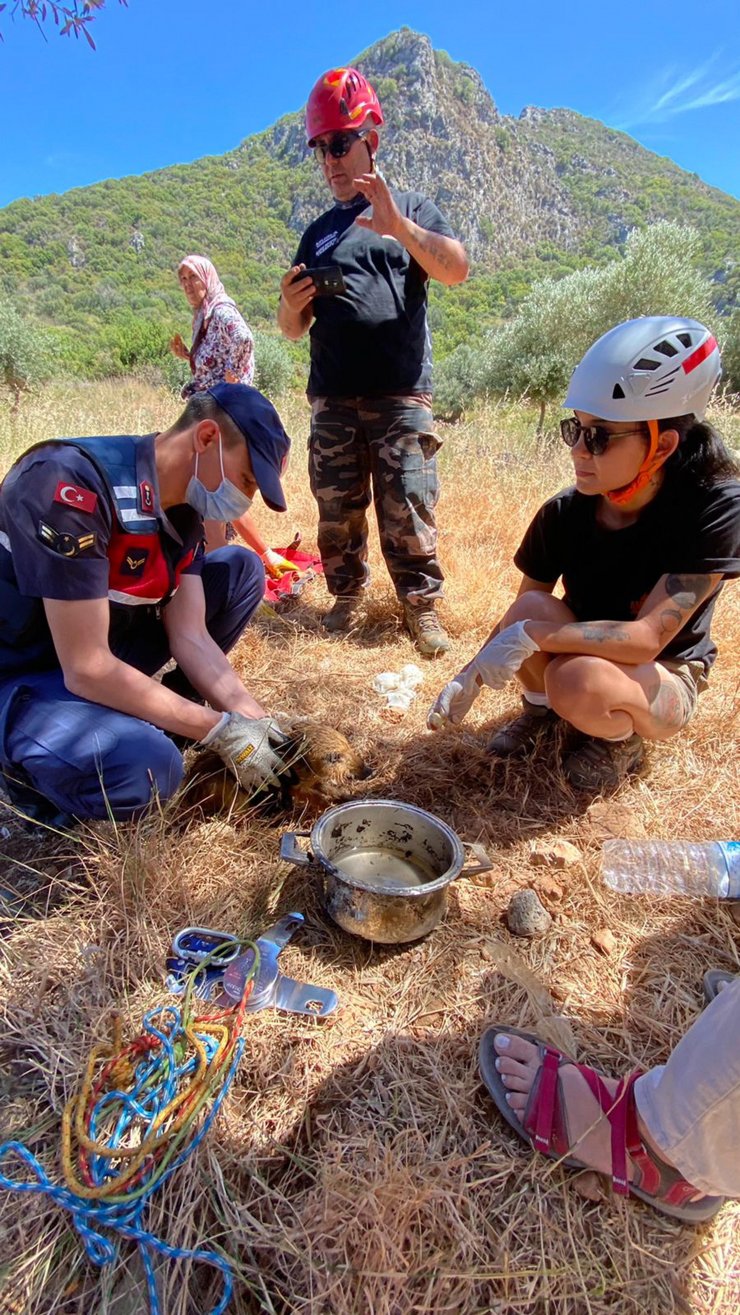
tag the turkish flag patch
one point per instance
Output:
(71, 496)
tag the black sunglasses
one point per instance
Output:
(595, 437)
(339, 144)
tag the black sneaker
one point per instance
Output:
(517, 738)
(599, 765)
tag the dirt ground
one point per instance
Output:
(358, 1166)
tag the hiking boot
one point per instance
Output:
(517, 738)
(339, 618)
(33, 810)
(426, 629)
(599, 765)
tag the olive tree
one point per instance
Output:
(535, 353)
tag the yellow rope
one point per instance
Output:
(164, 1127)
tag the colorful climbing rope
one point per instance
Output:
(135, 1120)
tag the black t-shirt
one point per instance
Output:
(608, 574)
(372, 339)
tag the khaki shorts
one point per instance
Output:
(692, 681)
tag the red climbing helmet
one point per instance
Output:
(342, 99)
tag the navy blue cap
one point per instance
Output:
(262, 428)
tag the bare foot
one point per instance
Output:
(518, 1062)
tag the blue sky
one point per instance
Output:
(172, 80)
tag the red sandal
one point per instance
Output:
(544, 1127)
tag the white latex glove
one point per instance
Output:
(247, 746)
(500, 659)
(495, 665)
(455, 700)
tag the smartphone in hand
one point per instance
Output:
(328, 280)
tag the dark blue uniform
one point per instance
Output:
(80, 519)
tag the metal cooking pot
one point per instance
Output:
(386, 867)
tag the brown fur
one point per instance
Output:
(324, 766)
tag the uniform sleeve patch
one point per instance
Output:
(146, 496)
(67, 545)
(71, 495)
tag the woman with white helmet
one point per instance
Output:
(642, 543)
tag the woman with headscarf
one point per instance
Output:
(222, 351)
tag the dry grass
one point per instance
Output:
(358, 1167)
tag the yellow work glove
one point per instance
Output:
(275, 565)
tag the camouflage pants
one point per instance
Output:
(379, 449)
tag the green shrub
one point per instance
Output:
(28, 352)
(464, 89)
(386, 89)
(443, 59)
(274, 369)
(458, 379)
(503, 139)
(170, 373)
(136, 342)
(730, 345)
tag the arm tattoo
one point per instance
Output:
(604, 632)
(434, 246)
(671, 620)
(688, 590)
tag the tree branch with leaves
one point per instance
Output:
(72, 18)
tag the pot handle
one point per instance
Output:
(290, 850)
(483, 860)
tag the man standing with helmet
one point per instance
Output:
(642, 542)
(370, 383)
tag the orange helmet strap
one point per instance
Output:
(653, 461)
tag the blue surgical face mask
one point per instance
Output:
(226, 503)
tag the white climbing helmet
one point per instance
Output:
(648, 369)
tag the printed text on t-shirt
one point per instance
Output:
(326, 243)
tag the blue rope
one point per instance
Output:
(156, 1082)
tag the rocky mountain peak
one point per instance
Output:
(431, 84)
(442, 136)
(532, 195)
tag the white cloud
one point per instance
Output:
(676, 92)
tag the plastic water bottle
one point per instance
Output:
(673, 867)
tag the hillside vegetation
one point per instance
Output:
(543, 194)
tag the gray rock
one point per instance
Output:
(526, 915)
(77, 258)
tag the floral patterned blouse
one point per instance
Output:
(227, 344)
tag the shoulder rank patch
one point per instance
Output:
(70, 495)
(67, 545)
(134, 561)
